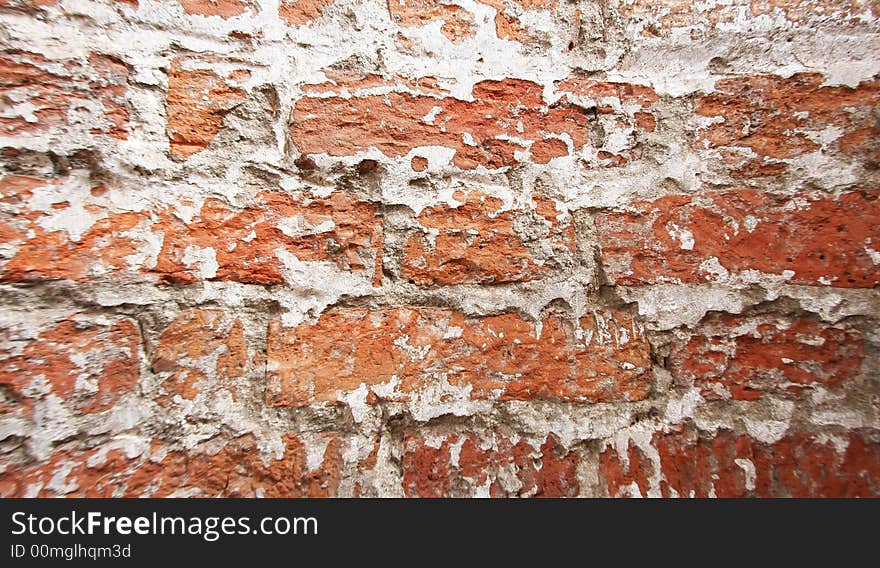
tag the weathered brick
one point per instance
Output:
(201, 351)
(451, 464)
(42, 95)
(226, 243)
(508, 24)
(223, 8)
(496, 129)
(220, 183)
(458, 23)
(301, 12)
(478, 243)
(609, 95)
(419, 163)
(87, 360)
(405, 353)
(197, 102)
(624, 111)
(505, 120)
(78, 473)
(766, 119)
(746, 358)
(217, 242)
(28, 4)
(811, 239)
(34, 253)
(234, 469)
(730, 465)
(658, 17)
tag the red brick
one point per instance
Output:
(449, 464)
(37, 4)
(201, 350)
(603, 357)
(198, 101)
(40, 254)
(243, 241)
(542, 151)
(605, 93)
(693, 465)
(28, 4)
(507, 23)
(397, 122)
(458, 23)
(623, 109)
(235, 469)
(746, 358)
(86, 360)
(74, 473)
(300, 12)
(773, 117)
(477, 243)
(419, 164)
(223, 8)
(53, 255)
(819, 238)
(339, 228)
(54, 90)
(659, 17)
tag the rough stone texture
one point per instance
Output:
(428, 248)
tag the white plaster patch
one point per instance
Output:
(312, 286)
(204, 260)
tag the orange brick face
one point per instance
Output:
(814, 240)
(87, 361)
(236, 470)
(726, 465)
(457, 22)
(198, 101)
(222, 8)
(747, 358)
(300, 12)
(775, 118)
(47, 254)
(245, 242)
(480, 131)
(50, 93)
(487, 460)
(476, 243)
(219, 242)
(406, 353)
(187, 351)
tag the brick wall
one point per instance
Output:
(439, 248)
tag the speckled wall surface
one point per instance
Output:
(439, 248)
